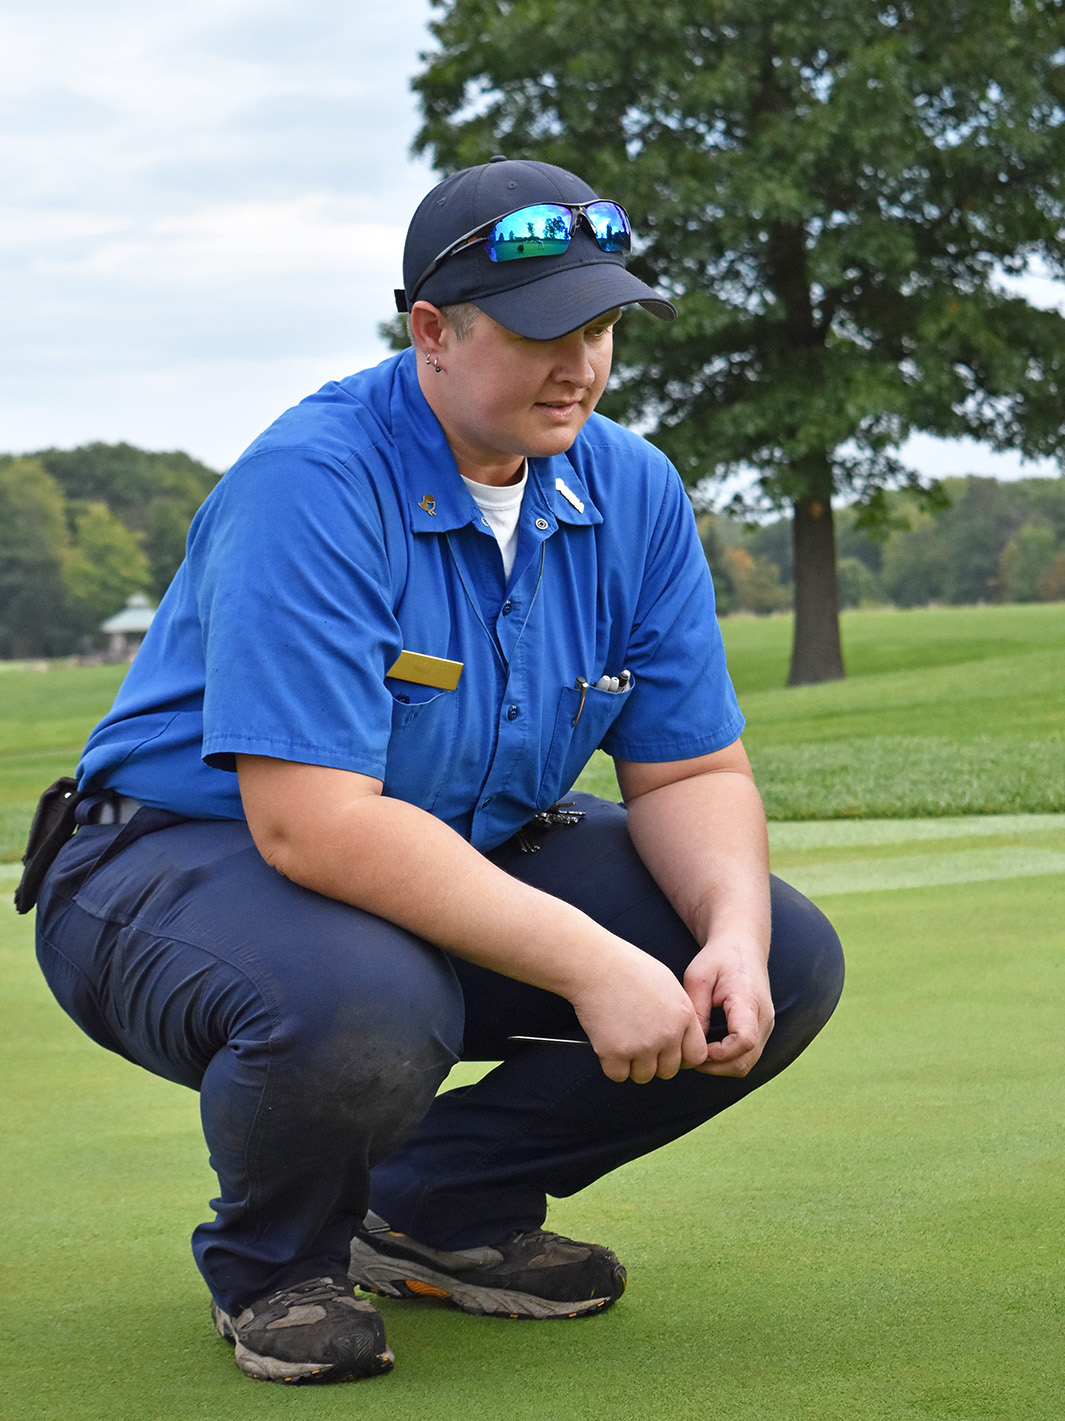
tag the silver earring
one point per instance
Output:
(436, 365)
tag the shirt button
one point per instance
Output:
(512, 712)
(507, 609)
(542, 523)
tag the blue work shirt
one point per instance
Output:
(345, 536)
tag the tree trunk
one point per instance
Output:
(816, 653)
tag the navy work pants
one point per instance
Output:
(318, 1034)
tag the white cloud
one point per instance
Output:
(204, 199)
(960, 458)
(244, 242)
(1038, 287)
(210, 408)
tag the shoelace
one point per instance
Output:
(317, 1290)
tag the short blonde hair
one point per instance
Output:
(460, 317)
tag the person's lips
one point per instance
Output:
(559, 410)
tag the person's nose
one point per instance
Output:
(574, 365)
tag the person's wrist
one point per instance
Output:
(597, 964)
(738, 944)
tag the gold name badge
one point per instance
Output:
(427, 670)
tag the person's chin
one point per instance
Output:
(558, 429)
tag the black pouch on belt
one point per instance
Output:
(53, 824)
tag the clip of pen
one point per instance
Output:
(582, 686)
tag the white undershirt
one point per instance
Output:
(501, 508)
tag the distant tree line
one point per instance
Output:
(81, 530)
(982, 541)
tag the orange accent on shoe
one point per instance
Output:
(425, 1290)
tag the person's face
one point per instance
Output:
(503, 397)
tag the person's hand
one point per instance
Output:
(639, 1019)
(731, 976)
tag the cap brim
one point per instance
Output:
(562, 301)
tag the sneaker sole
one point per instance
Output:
(272, 1369)
(408, 1278)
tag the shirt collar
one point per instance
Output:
(557, 490)
(437, 499)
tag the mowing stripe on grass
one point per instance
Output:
(923, 870)
(819, 857)
(851, 833)
(911, 776)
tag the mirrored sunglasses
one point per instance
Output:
(543, 229)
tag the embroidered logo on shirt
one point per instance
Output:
(429, 504)
(569, 495)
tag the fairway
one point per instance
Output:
(875, 1235)
(945, 711)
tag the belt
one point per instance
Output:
(62, 807)
(112, 808)
(109, 808)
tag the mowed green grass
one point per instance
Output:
(956, 710)
(944, 711)
(46, 713)
(877, 1234)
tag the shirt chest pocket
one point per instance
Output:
(582, 719)
(416, 682)
(410, 701)
(422, 745)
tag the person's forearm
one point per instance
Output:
(704, 841)
(395, 860)
(703, 837)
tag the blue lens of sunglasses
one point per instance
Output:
(544, 229)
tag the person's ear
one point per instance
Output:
(429, 329)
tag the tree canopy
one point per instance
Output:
(153, 494)
(34, 548)
(82, 529)
(988, 541)
(837, 193)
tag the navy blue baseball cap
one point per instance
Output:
(540, 297)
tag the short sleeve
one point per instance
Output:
(687, 705)
(293, 590)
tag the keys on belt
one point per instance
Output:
(559, 814)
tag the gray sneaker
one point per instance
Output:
(315, 1332)
(534, 1274)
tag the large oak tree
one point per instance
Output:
(836, 192)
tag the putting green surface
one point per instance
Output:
(877, 1234)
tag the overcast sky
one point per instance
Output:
(203, 211)
(203, 214)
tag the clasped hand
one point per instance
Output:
(643, 1023)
